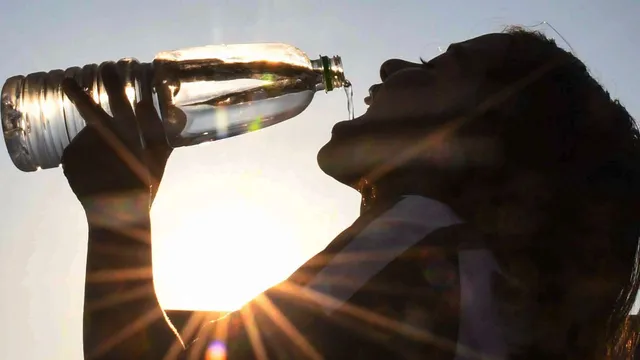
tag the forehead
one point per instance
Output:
(494, 41)
(488, 48)
(489, 44)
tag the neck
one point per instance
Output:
(391, 187)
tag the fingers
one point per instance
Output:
(113, 84)
(150, 125)
(91, 112)
(124, 120)
(157, 149)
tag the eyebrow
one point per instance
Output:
(455, 48)
(459, 52)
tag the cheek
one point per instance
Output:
(414, 94)
(406, 101)
(425, 102)
(452, 97)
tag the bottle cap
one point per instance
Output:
(333, 73)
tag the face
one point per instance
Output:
(412, 101)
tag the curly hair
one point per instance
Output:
(562, 206)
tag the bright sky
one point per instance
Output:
(234, 217)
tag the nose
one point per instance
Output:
(394, 65)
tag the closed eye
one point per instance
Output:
(426, 64)
(454, 50)
(460, 54)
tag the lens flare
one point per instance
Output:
(216, 351)
(256, 124)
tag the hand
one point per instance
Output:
(109, 158)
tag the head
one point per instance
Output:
(413, 110)
(516, 135)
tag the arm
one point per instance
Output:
(122, 317)
(115, 178)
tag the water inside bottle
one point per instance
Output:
(205, 100)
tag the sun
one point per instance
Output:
(213, 260)
(216, 250)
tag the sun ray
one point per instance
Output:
(376, 319)
(448, 130)
(198, 347)
(221, 326)
(126, 249)
(287, 327)
(139, 235)
(116, 275)
(254, 334)
(115, 225)
(360, 256)
(321, 259)
(135, 165)
(120, 298)
(188, 331)
(126, 332)
(217, 349)
(222, 329)
(302, 276)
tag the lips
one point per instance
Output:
(372, 93)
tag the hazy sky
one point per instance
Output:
(251, 207)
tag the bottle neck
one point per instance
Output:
(331, 71)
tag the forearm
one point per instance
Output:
(122, 317)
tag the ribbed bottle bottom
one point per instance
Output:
(39, 121)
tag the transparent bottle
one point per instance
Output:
(202, 94)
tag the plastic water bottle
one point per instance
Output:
(202, 94)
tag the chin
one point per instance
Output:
(337, 160)
(363, 144)
(348, 159)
